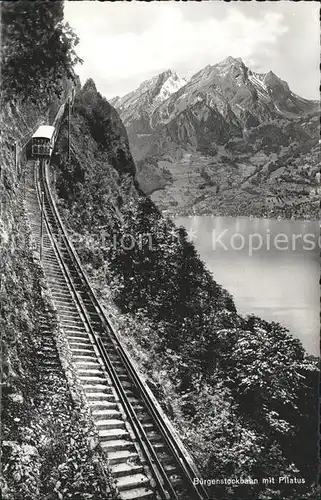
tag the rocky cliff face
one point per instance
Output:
(220, 106)
(137, 107)
(147, 97)
(100, 157)
(105, 126)
(44, 430)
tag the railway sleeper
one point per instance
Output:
(139, 494)
(132, 481)
(117, 445)
(126, 468)
(106, 413)
(111, 423)
(99, 396)
(79, 352)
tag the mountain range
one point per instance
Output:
(229, 140)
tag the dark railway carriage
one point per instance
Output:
(42, 142)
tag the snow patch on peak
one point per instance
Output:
(257, 79)
(170, 86)
(278, 109)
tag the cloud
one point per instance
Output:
(123, 43)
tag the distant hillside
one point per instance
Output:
(233, 124)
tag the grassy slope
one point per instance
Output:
(270, 173)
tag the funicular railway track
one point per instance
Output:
(146, 458)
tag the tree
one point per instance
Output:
(37, 51)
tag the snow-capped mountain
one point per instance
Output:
(219, 102)
(148, 96)
(252, 97)
(223, 138)
(152, 91)
(137, 107)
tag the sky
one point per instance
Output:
(124, 43)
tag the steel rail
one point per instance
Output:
(187, 467)
(180, 455)
(158, 472)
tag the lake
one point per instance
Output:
(271, 267)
